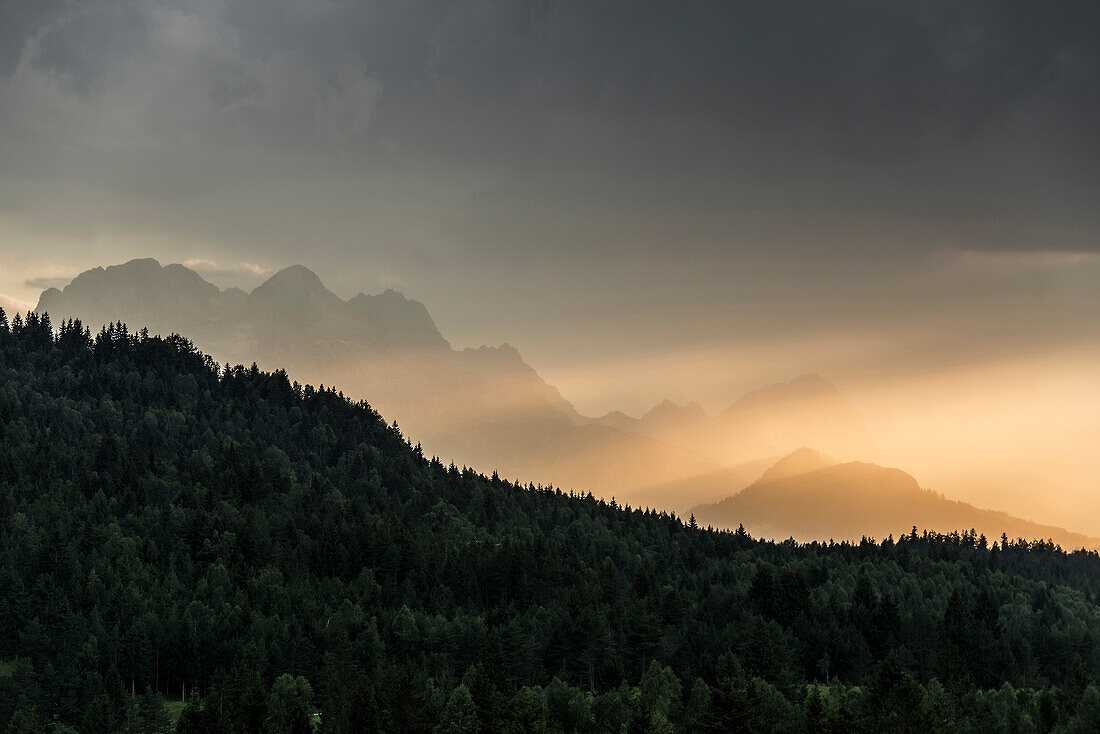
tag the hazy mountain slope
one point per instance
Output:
(482, 407)
(615, 463)
(669, 419)
(807, 411)
(762, 425)
(848, 501)
(507, 371)
(294, 322)
(617, 419)
(294, 314)
(164, 299)
(407, 323)
(684, 495)
(799, 461)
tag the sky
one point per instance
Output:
(650, 199)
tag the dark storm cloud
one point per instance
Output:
(525, 147)
(685, 121)
(955, 110)
(966, 113)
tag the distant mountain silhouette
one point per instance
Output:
(142, 291)
(763, 424)
(484, 407)
(807, 496)
(800, 461)
(386, 342)
(618, 419)
(406, 322)
(668, 416)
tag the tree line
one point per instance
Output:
(274, 557)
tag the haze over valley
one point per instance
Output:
(483, 407)
(487, 408)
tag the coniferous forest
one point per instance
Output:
(200, 548)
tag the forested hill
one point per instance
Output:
(294, 564)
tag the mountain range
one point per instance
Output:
(484, 407)
(808, 496)
(487, 408)
(767, 422)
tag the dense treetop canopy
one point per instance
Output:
(277, 558)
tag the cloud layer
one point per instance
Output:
(597, 182)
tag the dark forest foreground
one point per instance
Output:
(286, 561)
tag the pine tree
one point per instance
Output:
(290, 705)
(460, 714)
